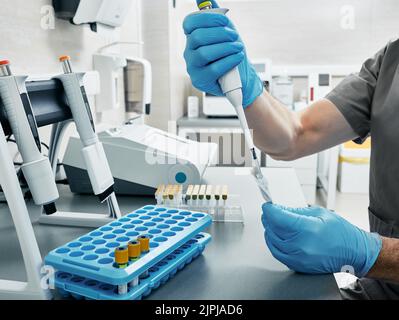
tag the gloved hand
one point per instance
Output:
(213, 49)
(317, 241)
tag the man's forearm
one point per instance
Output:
(275, 127)
(287, 135)
(387, 264)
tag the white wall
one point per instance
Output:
(311, 32)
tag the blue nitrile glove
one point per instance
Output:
(317, 241)
(214, 48)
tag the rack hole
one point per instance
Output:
(168, 234)
(62, 250)
(88, 248)
(86, 239)
(99, 241)
(113, 245)
(132, 234)
(75, 254)
(123, 239)
(96, 234)
(184, 224)
(101, 251)
(119, 231)
(155, 231)
(105, 261)
(90, 257)
(74, 244)
(185, 213)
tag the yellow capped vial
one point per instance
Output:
(144, 243)
(121, 257)
(134, 250)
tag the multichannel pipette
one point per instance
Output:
(231, 86)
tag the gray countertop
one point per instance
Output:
(236, 265)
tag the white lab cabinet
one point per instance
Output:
(306, 170)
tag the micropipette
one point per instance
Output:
(36, 167)
(93, 151)
(232, 87)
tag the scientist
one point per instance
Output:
(314, 240)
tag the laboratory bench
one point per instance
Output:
(236, 265)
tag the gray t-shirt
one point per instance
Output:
(369, 101)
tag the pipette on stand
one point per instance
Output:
(36, 167)
(232, 87)
(93, 152)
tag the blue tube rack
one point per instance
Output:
(77, 287)
(175, 235)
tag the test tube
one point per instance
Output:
(121, 261)
(195, 195)
(159, 193)
(209, 195)
(217, 199)
(145, 248)
(201, 195)
(134, 254)
(179, 195)
(189, 194)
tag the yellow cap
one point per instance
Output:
(134, 249)
(122, 256)
(205, 4)
(144, 243)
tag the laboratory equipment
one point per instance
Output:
(216, 200)
(137, 83)
(320, 84)
(193, 107)
(98, 14)
(108, 67)
(263, 68)
(91, 150)
(141, 158)
(32, 287)
(232, 87)
(86, 266)
(219, 106)
(36, 168)
(283, 90)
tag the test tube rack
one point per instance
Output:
(85, 267)
(212, 199)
